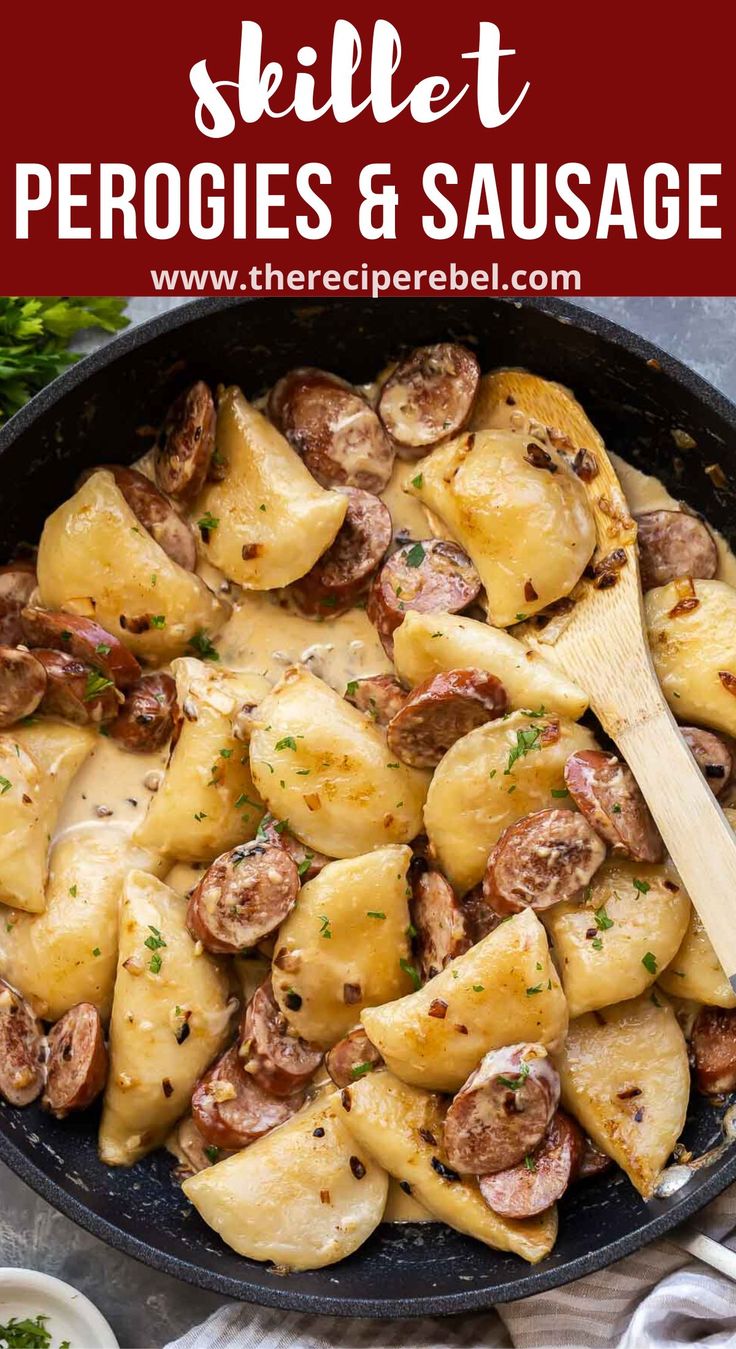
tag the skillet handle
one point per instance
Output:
(704, 1248)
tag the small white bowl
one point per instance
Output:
(71, 1316)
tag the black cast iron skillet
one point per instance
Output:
(637, 396)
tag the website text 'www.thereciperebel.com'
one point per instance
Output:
(363, 279)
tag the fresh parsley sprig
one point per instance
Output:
(35, 333)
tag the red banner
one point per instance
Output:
(486, 148)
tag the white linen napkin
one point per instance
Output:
(655, 1299)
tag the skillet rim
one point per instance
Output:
(532, 1280)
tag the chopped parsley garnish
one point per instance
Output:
(96, 951)
(287, 742)
(199, 816)
(155, 963)
(375, 913)
(27, 1334)
(212, 1152)
(155, 941)
(158, 620)
(478, 988)
(597, 944)
(649, 961)
(360, 1069)
(351, 688)
(103, 649)
(559, 792)
(73, 891)
(514, 1083)
(527, 739)
(602, 921)
(207, 522)
(417, 482)
(415, 555)
(641, 886)
(305, 863)
(201, 643)
(5, 785)
(530, 1163)
(325, 929)
(96, 684)
(412, 973)
(616, 809)
(536, 989)
(519, 618)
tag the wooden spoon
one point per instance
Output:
(600, 641)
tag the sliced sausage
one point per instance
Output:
(713, 1046)
(430, 394)
(672, 544)
(542, 1177)
(155, 513)
(380, 696)
(351, 1058)
(186, 444)
(341, 576)
(231, 1109)
(74, 691)
(308, 861)
(604, 789)
(76, 1067)
(22, 1049)
(18, 581)
(502, 1112)
(281, 1061)
(442, 710)
(83, 639)
(438, 919)
(17, 584)
(145, 721)
(196, 1154)
(243, 897)
(333, 428)
(22, 685)
(541, 859)
(480, 918)
(593, 1162)
(430, 576)
(711, 754)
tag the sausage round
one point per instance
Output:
(593, 1162)
(713, 1046)
(438, 918)
(157, 515)
(442, 710)
(480, 918)
(604, 789)
(431, 576)
(380, 696)
(351, 1058)
(186, 444)
(22, 685)
(672, 544)
(542, 1178)
(243, 897)
(430, 394)
(282, 1062)
(503, 1110)
(711, 754)
(17, 584)
(308, 861)
(145, 721)
(82, 638)
(343, 573)
(18, 581)
(76, 1066)
(75, 692)
(231, 1109)
(541, 859)
(333, 428)
(21, 1049)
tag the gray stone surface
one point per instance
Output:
(147, 1309)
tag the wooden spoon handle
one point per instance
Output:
(696, 833)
